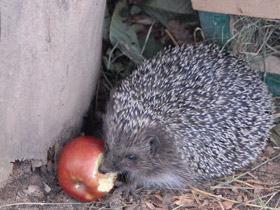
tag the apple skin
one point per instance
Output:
(76, 166)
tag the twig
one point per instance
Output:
(147, 37)
(171, 37)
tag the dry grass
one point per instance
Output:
(254, 37)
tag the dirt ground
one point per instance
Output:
(37, 188)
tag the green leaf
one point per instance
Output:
(154, 46)
(123, 36)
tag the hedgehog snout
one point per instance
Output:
(106, 168)
(108, 164)
(102, 169)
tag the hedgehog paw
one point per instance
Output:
(128, 191)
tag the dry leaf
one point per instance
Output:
(240, 198)
(34, 190)
(150, 205)
(227, 205)
(47, 188)
(185, 200)
(205, 203)
(156, 200)
(257, 189)
(245, 198)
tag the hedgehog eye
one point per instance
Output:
(131, 157)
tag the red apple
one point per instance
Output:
(78, 169)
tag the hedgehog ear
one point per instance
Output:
(154, 144)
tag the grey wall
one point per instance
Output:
(49, 62)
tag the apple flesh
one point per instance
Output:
(77, 169)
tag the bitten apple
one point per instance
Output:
(78, 169)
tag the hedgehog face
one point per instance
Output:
(131, 158)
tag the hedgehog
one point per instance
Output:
(189, 115)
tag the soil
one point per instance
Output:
(31, 187)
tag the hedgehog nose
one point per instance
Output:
(102, 169)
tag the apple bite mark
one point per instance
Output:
(106, 182)
(98, 162)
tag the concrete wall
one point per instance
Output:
(49, 62)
